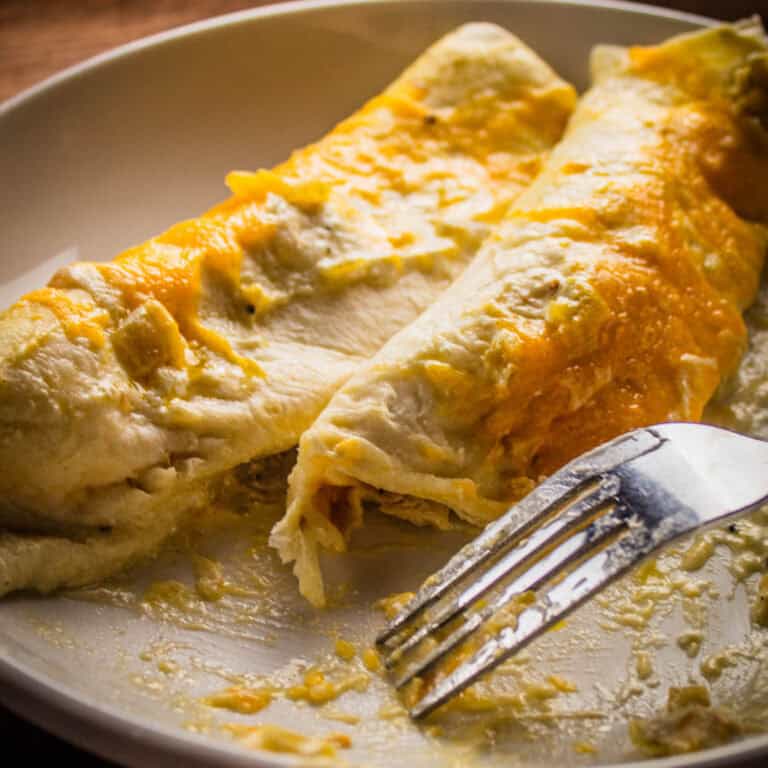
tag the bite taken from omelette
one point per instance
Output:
(608, 298)
(131, 391)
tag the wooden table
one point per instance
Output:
(41, 37)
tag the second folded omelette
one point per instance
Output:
(610, 298)
(131, 390)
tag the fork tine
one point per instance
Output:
(578, 586)
(495, 536)
(564, 522)
(533, 576)
(512, 527)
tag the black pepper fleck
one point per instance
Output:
(430, 119)
(732, 528)
(250, 309)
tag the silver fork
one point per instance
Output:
(578, 531)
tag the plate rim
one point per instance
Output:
(26, 692)
(22, 690)
(291, 7)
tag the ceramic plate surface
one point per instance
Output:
(114, 151)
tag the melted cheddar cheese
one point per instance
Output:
(610, 297)
(130, 390)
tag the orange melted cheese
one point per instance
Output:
(665, 301)
(609, 298)
(376, 152)
(79, 319)
(130, 390)
(663, 305)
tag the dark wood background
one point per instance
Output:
(41, 37)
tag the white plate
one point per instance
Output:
(115, 150)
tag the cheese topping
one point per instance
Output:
(609, 298)
(130, 390)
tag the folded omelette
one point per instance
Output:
(610, 297)
(130, 390)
